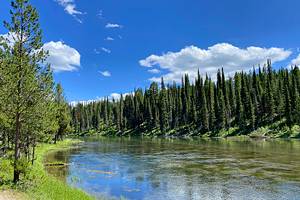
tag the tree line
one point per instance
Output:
(32, 107)
(245, 101)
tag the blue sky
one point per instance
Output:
(101, 47)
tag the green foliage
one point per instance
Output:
(23, 166)
(6, 170)
(295, 131)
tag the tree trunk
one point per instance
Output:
(33, 152)
(55, 138)
(17, 149)
(26, 147)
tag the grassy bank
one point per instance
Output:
(274, 130)
(39, 185)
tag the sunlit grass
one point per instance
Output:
(39, 185)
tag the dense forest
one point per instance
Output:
(32, 107)
(238, 104)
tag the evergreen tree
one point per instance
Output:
(27, 80)
(163, 113)
(288, 109)
(270, 108)
(63, 115)
(121, 109)
(239, 104)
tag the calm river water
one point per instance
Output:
(175, 169)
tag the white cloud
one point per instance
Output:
(105, 73)
(117, 96)
(154, 71)
(296, 61)
(70, 8)
(110, 25)
(105, 50)
(62, 57)
(231, 58)
(109, 39)
(74, 103)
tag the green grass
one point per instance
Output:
(39, 185)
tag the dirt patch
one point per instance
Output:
(11, 195)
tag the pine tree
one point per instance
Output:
(153, 102)
(269, 93)
(121, 110)
(63, 115)
(288, 109)
(239, 104)
(226, 99)
(211, 104)
(202, 113)
(231, 97)
(163, 113)
(221, 109)
(28, 81)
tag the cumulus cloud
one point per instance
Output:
(231, 58)
(110, 25)
(62, 57)
(70, 8)
(105, 73)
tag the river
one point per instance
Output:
(141, 168)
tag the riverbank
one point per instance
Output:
(275, 130)
(37, 184)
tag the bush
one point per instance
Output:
(6, 170)
(295, 131)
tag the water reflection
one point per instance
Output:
(137, 168)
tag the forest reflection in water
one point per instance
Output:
(143, 168)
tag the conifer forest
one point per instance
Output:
(244, 101)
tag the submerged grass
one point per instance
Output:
(39, 185)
